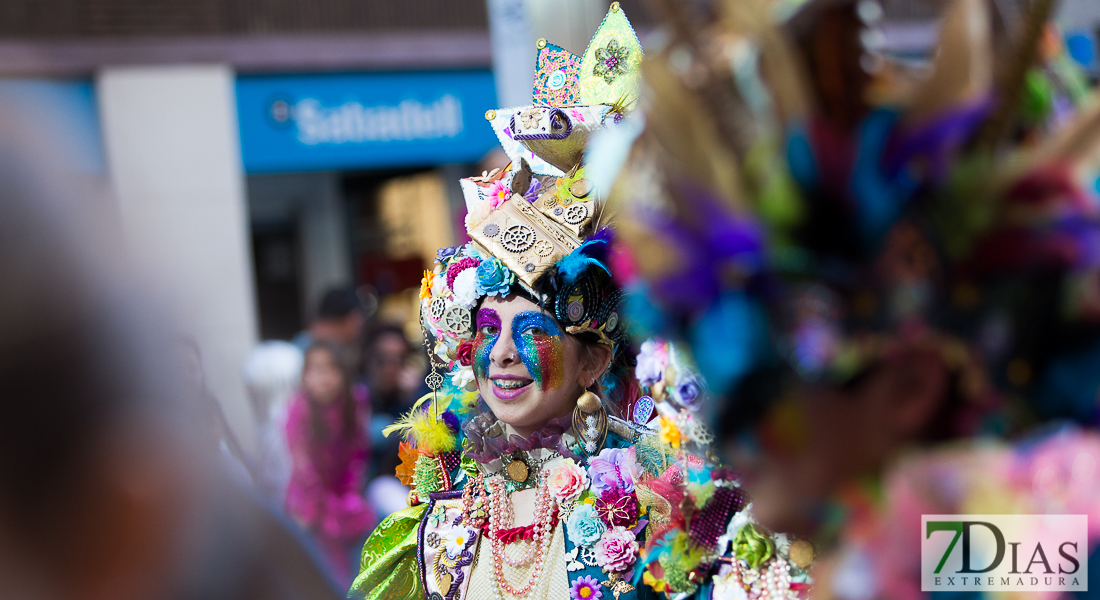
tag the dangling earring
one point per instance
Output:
(590, 422)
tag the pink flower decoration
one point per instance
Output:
(498, 194)
(585, 587)
(459, 266)
(576, 114)
(616, 550)
(617, 508)
(567, 481)
(614, 468)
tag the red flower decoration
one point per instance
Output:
(465, 354)
(617, 508)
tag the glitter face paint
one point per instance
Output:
(488, 330)
(539, 343)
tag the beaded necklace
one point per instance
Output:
(501, 518)
(475, 503)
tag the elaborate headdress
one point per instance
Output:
(537, 226)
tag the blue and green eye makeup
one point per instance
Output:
(540, 346)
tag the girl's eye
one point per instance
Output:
(489, 330)
(537, 331)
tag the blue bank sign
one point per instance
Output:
(362, 121)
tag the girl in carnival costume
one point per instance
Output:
(890, 277)
(537, 468)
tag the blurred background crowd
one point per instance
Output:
(214, 219)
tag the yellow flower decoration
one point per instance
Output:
(668, 431)
(426, 285)
(658, 585)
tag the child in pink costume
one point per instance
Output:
(330, 451)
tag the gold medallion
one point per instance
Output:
(517, 471)
(801, 553)
(580, 188)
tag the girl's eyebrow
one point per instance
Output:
(487, 316)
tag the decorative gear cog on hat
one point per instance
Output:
(576, 214)
(437, 308)
(517, 238)
(456, 320)
(544, 248)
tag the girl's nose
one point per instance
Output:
(504, 351)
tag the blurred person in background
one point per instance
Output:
(106, 490)
(394, 382)
(330, 450)
(217, 432)
(272, 373)
(340, 319)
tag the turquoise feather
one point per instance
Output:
(577, 262)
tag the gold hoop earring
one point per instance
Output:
(590, 422)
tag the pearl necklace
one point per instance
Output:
(501, 516)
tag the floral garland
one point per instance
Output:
(608, 504)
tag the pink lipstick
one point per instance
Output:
(508, 387)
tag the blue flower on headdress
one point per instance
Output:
(445, 253)
(652, 360)
(469, 250)
(688, 394)
(493, 278)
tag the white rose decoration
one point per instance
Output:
(478, 213)
(462, 377)
(465, 289)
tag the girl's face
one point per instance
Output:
(322, 378)
(528, 369)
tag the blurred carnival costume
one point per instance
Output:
(628, 504)
(796, 210)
